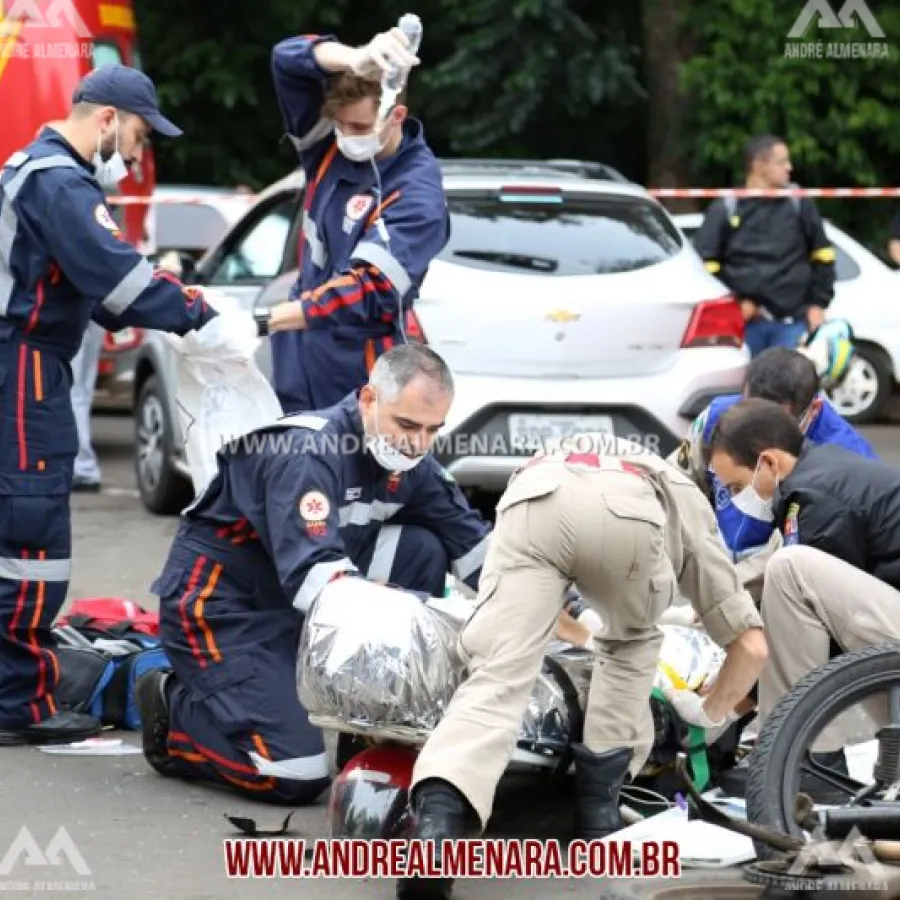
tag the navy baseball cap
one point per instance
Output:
(128, 90)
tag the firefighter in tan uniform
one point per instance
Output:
(627, 529)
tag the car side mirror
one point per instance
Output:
(188, 267)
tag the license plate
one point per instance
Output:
(533, 432)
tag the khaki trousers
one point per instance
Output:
(808, 598)
(556, 524)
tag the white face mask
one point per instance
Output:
(359, 147)
(386, 455)
(749, 502)
(111, 171)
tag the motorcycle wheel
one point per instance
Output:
(781, 750)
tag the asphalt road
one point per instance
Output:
(144, 837)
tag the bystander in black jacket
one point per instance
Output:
(844, 505)
(772, 251)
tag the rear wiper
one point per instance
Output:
(516, 260)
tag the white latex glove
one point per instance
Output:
(230, 335)
(689, 707)
(385, 52)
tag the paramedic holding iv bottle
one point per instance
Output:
(375, 213)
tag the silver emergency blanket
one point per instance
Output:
(375, 657)
(384, 663)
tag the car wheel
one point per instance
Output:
(163, 490)
(864, 394)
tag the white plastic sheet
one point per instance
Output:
(220, 391)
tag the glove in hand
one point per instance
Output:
(690, 709)
(386, 52)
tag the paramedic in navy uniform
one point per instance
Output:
(375, 216)
(273, 528)
(63, 263)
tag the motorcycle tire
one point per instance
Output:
(791, 727)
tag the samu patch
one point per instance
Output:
(314, 509)
(791, 530)
(104, 217)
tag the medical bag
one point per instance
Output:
(103, 647)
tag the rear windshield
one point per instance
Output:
(570, 236)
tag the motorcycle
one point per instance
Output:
(379, 666)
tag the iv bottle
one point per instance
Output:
(411, 25)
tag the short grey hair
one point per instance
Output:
(395, 369)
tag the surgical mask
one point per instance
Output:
(386, 455)
(750, 503)
(109, 172)
(358, 148)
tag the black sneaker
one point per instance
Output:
(63, 728)
(151, 697)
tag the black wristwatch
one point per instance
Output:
(262, 318)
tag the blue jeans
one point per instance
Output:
(760, 334)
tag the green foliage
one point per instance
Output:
(839, 116)
(544, 78)
(498, 78)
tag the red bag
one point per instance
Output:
(111, 616)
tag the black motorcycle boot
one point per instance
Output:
(152, 700)
(440, 813)
(65, 727)
(599, 778)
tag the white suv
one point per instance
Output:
(566, 300)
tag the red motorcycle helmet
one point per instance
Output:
(370, 797)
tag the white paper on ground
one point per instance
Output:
(93, 747)
(700, 845)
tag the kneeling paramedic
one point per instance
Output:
(834, 586)
(315, 497)
(626, 529)
(375, 216)
(787, 377)
(63, 263)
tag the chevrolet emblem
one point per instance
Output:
(562, 315)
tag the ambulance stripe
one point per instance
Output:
(316, 247)
(385, 553)
(203, 755)
(26, 570)
(183, 608)
(129, 288)
(9, 224)
(204, 595)
(21, 389)
(316, 579)
(471, 562)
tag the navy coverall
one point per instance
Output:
(62, 263)
(356, 287)
(291, 507)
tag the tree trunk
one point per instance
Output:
(666, 46)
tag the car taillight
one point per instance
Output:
(715, 323)
(414, 331)
(119, 341)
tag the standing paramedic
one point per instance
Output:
(771, 252)
(375, 216)
(63, 263)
